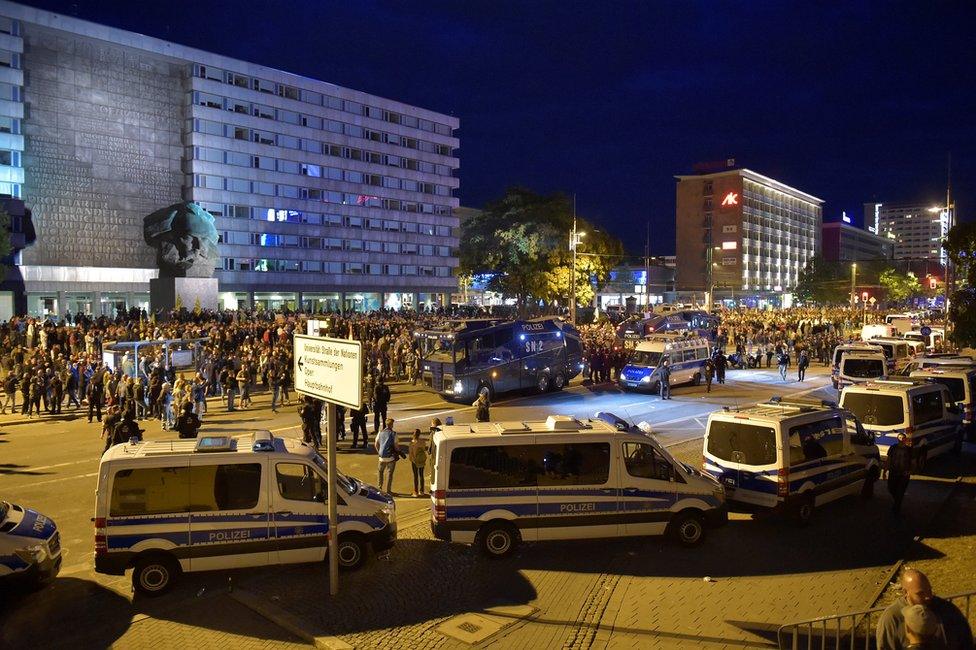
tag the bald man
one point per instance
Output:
(951, 630)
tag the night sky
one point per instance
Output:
(848, 101)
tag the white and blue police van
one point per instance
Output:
(839, 352)
(220, 502)
(789, 457)
(859, 366)
(496, 484)
(961, 382)
(687, 358)
(30, 547)
(940, 361)
(922, 410)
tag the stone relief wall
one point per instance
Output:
(102, 147)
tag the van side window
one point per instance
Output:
(815, 440)
(298, 482)
(689, 355)
(150, 491)
(643, 461)
(224, 487)
(496, 466)
(573, 464)
(927, 407)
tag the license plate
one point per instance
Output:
(729, 482)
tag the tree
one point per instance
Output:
(899, 287)
(960, 247)
(823, 282)
(5, 247)
(522, 241)
(962, 315)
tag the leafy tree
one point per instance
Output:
(5, 248)
(823, 282)
(962, 316)
(960, 246)
(899, 286)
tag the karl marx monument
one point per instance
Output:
(185, 240)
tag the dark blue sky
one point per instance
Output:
(848, 101)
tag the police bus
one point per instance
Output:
(465, 358)
(634, 330)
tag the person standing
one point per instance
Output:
(482, 407)
(899, 470)
(720, 364)
(230, 387)
(801, 365)
(95, 395)
(274, 383)
(783, 361)
(9, 393)
(381, 400)
(709, 374)
(187, 423)
(244, 383)
(198, 394)
(388, 451)
(417, 453)
(920, 619)
(664, 380)
(357, 424)
(307, 414)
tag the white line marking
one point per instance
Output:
(55, 480)
(74, 462)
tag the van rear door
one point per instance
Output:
(229, 524)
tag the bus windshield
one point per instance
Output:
(433, 346)
(646, 358)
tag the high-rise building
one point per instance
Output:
(739, 231)
(324, 197)
(917, 230)
(842, 242)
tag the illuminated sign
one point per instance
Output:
(844, 217)
(730, 199)
(729, 245)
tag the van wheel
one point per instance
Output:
(497, 539)
(351, 551)
(957, 446)
(867, 491)
(543, 384)
(559, 381)
(154, 575)
(688, 529)
(921, 459)
(803, 511)
(696, 380)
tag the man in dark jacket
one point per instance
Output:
(126, 429)
(381, 399)
(358, 424)
(664, 382)
(95, 389)
(187, 422)
(720, 363)
(899, 470)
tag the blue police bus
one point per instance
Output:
(468, 357)
(634, 330)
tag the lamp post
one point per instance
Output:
(864, 307)
(853, 283)
(574, 240)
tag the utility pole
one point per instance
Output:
(853, 283)
(950, 217)
(647, 269)
(572, 269)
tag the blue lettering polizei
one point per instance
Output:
(229, 535)
(577, 507)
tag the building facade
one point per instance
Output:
(324, 197)
(741, 232)
(843, 242)
(916, 230)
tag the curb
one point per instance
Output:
(289, 622)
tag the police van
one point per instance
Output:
(687, 357)
(922, 410)
(899, 352)
(496, 484)
(942, 361)
(858, 366)
(789, 457)
(30, 547)
(961, 382)
(840, 350)
(218, 502)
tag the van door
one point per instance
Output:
(228, 513)
(647, 489)
(299, 512)
(576, 489)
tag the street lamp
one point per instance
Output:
(574, 240)
(853, 283)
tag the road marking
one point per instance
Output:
(74, 462)
(56, 480)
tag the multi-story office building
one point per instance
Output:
(844, 242)
(324, 197)
(739, 231)
(916, 230)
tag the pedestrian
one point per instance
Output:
(709, 374)
(381, 399)
(357, 424)
(388, 452)
(920, 619)
(187, 423)
(720, 364)
(244, 383)
(340, 422)
(307, 414)
(9, 393)
(417, 453)
(899, 470)
(95, 395)
(664, 379)
(166, 404)
(198, 394)
(112, 417)
(230, 388)
(482, 406)
(127, 429)
(783, 361)
(274, 382)
(801, 365)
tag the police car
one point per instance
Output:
(217, 502)
(30, 546)
(687, 358)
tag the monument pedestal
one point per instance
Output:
(167, 293)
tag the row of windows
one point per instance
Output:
(319, 219)
(239, 238)
(241, 107)
(263, 265)
(311, 170)
(9, 158)
(10, 92)
(9, 59)
(318, 99)
(244, 186)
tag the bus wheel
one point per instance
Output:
(497, 539)
(559, 381)
(543, 384)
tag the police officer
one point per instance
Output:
(899, 470)
(664, 383)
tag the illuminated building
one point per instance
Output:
(324, 197)
(739, 232)
(916, 230)
(843, 242)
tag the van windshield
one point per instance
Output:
(875, 408)
(957, 387)
(346, 484)
(645, 358)
(863, 368)
(741, 442)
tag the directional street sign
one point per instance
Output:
(329, 369)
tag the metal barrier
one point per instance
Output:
(852, 631)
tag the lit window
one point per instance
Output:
(729, 245)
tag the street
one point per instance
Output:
(609, 593)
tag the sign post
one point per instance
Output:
(330, 370)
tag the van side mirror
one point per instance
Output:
(321, 496)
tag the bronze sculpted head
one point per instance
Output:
(185, 240)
